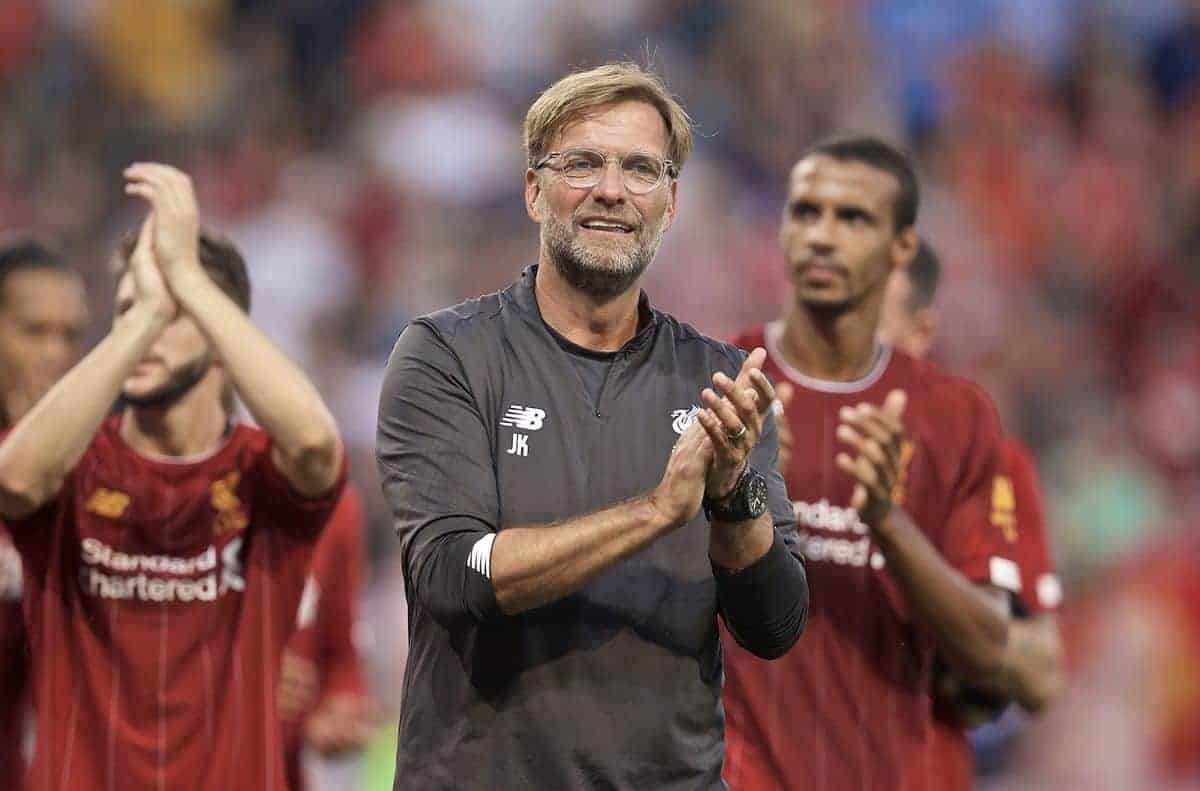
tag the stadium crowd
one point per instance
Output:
(365, 158)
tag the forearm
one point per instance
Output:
(278, 394)
(1032, 670)
(533, 566)
(970, 625)
(765, 605)
(49, 441)
(736, 545)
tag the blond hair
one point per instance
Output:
(567, 99)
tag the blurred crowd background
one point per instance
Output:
(366, 157)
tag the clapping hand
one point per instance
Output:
(875, 435)
(733, 418)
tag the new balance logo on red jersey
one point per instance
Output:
(526, 418)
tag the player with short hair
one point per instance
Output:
(43, 316)
(891, 474)
(1032, 669)
(164, 549)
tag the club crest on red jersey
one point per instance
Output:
(108, 503)
(231, 516)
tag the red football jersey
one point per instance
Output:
(159, 594)
(327, 618)
(14, 674)
(1018, 490)
(1017, 510)
(851, 707)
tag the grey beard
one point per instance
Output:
(592, 274)
(174, 388)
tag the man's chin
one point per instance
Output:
(143, 397)
(601, 277)
(823, 300)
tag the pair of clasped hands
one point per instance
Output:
(730, 424)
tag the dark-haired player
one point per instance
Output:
(891, 475)
(164, 549)
(1032, 670)
(43, 315)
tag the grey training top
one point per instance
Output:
(484, 422)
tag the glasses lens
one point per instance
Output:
(642, 172)
(581, 167)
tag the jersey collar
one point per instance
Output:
(773, 332)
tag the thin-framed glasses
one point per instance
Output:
(582, 168)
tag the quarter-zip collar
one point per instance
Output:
(521, 295)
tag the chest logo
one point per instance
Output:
(682, 419)
(231, 516)
(108, 503)
(526, 418)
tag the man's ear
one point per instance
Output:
(533, 194)
(904, 248)
(672, 202)
(924, 331)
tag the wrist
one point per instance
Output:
(147, 317)
(184, 271)
(885, 527)
(654, 510)
(722, 494)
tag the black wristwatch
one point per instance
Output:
(748, 500)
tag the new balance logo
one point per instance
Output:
(480, 558)
(526, 418)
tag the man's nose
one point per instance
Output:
(820, 234)
(611, 186)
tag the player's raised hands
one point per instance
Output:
(177, 219)
(875, 434)
(733, 418)
(150, 288)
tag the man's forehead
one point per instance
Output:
(27, 286)
(849, 178)
(622, 126)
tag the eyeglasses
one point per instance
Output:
(582, 168)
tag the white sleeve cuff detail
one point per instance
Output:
(480, 558)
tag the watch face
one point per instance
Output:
(756, 496)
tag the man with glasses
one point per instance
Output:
(547, 451)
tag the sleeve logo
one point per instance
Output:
(1004, 507)
(525, 418)
(107, 503)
